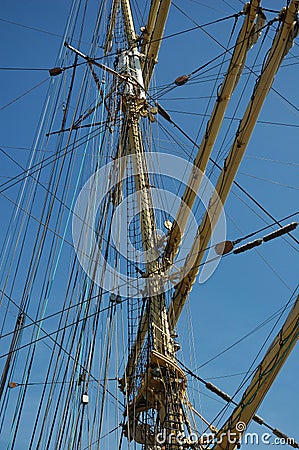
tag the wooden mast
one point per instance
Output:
(230, 81)
(163, 382)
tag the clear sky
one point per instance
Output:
(246, 289)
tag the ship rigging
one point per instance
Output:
(100, 260)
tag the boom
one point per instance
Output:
(261, 382)
(152, 37)
(280, 47)
(229, 83)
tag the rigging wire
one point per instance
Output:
(102, 437)
(76, 363)
(24, 94)
(178, 33)
(245, 336)
(24, 68)
(264, 122)
(234, 182)
(273, 160)
(36, 322)
(50, 159)
(50, 335)
(277, 183)
(31, 28)
(39, 383)
(247, 376)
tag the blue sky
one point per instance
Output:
(245, 289)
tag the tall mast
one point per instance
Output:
(233, 74)
(148, 225)
(162, 385)
(132, 101)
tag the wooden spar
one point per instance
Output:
(129, 23)
(279, 49)
(281, 347)
(229, 83)
(112, 21)
(94, 62)
(152, 37)
(136, 147)
(150, 41)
